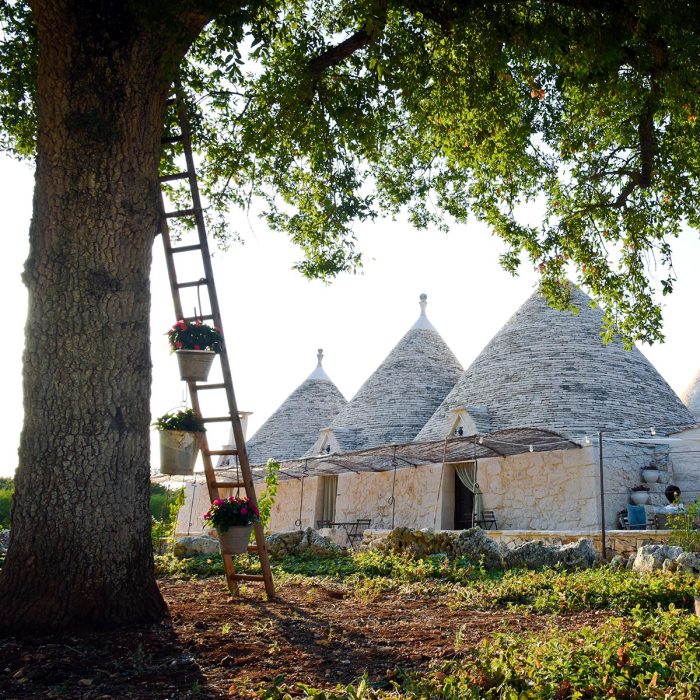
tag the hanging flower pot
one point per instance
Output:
(639, 495)
(195, 364)
(180, 438)
(235, 539)
(650, 475)
(195, 345)
(233, 518)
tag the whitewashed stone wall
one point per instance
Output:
(557, 490)
(541, 490)
(285, 511)
(685, 457)
(417, 495)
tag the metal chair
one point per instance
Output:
(487, 521)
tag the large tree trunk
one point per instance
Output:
(81, 552)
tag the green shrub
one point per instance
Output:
(165, 504)
(684, 531)
(7, 488)
(592, 589)
(267, 498)
(645, 656)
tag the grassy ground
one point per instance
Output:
(647, 646)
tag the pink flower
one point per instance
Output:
(231, 498)
(181, 325)
(197, 347)
(198, 322)
(179, 344)
(207, 515)
(219, 502)
(244, 511)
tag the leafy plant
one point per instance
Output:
(194, 335)
(184, 419)
(231, 512)
(267, 498)
(7, 489)
(684, 528)
(163, 528)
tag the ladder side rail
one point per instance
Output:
(229, 568)
(213, 300)
(237, 428)
(169, 261)
(212, 488)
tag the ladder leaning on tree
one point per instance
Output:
(195, 211)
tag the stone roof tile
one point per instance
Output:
(550, 369)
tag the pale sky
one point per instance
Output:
(275, 320)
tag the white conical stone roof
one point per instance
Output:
(404, 391)
(549, 369)
(293, 428)
(691, 397)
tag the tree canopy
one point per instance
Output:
(334, 112)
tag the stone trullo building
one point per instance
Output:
(518, 428)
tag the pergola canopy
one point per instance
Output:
(503, 443)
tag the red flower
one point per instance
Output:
(198, 322)
(197, 347)
(244, 511)
(219, 502)
(181, 325)
(179, 344)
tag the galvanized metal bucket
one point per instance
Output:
(178, 452)
(235, 539)
(195, 364)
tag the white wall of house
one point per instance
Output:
(542, 490)
(557, 490)
(550, 491)
(685, 457)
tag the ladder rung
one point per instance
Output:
(229, 484)
(216, 419)
(173, 176)
(174, 138)
(247, 577)
(180, 212)
(201, 387)
(186, 248)
(212, 453)
(198, 283)
(207, 317)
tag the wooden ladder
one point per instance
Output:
(207, 282)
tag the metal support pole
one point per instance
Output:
(393, 490)
(602, 496)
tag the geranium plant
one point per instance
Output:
(184, 419)
(231, 512)
(194, 335)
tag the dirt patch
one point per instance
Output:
(219, 646)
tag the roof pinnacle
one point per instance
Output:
(423, 303)
(422, 323)
(319, 372)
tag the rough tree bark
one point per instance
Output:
(80, 552)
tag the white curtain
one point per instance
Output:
(466, 471)
(330, 490)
